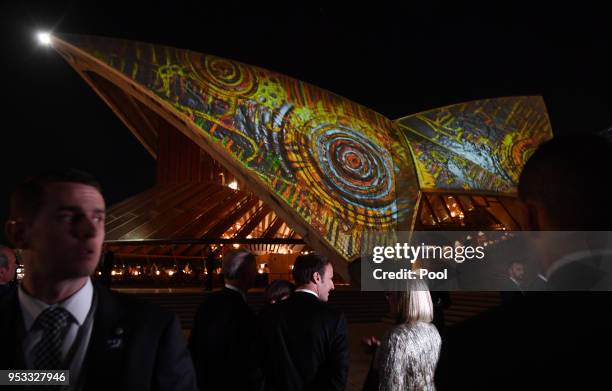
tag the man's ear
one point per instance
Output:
(316, 277)
(18, 233)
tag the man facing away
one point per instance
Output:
(58, 319)
(223, 327)
(301, 342)
(552, 340)
(560, 188)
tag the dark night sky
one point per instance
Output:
(395, 59)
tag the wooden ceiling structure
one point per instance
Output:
(192, 199)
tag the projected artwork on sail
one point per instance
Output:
(333, 162)
(480, 145)
(333, 169)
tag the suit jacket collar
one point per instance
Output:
(236, 290)
(315, 294)
(106, 344)
(305, 296)
(583, 256)
(574, 276)
(77, 305)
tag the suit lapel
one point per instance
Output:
(105, 353)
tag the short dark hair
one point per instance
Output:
(29, 196)
(235, 263)
(567, 175)
(306, 265)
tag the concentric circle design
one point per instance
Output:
(352, 166)
(224, 76)
(344, 169)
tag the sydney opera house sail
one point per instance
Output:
(330, 168)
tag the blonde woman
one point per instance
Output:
(407, 356)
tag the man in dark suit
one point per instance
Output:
(512, 285)
(59, 319)
(222, 331)
(550, 340)
(559, 188)
(8, 265)
(302, 342)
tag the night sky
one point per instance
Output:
(395, 59)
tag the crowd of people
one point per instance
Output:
(58, 318)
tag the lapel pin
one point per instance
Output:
(116, 341)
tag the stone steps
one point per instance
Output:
(358, 307)
(465, 305)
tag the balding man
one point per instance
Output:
(223, 326)
(8, 264)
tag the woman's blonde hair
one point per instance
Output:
(414, 304)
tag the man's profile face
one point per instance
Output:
(325, 285)
(65, 237)
(8, 273)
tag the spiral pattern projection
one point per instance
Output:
(341, 165)
(226, 77)
(334, 163)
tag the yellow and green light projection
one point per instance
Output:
(480, 145)
(340, 168)
(333, 162)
